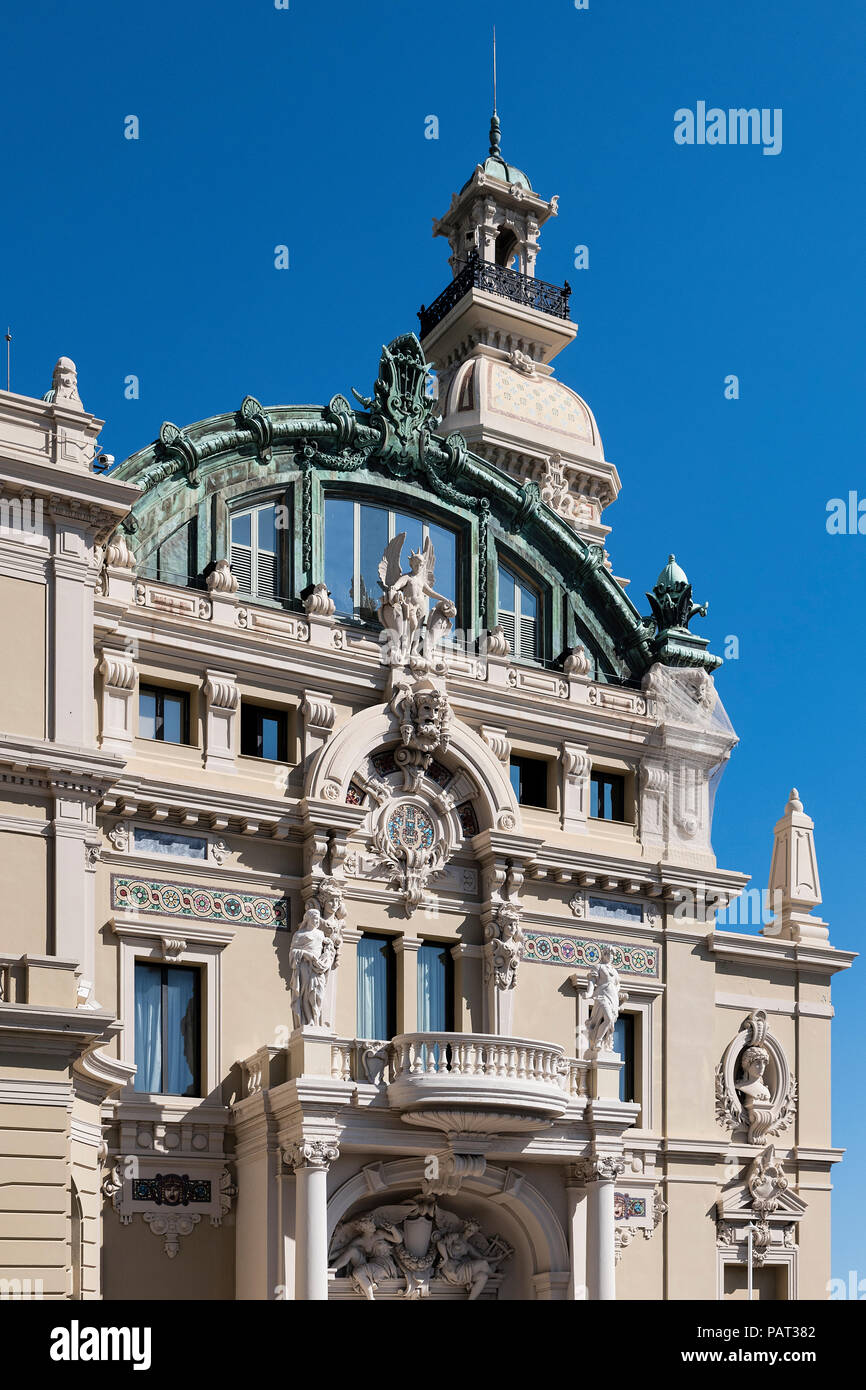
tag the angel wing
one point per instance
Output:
(429, 558)
(390, 569)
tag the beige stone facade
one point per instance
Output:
(495, 1153)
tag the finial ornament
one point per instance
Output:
(494, 120)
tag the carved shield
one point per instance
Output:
(417, 1231)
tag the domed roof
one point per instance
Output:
(498, 168)
(514, 396)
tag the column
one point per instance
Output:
(602, 1173)
(406, 949)
(311, 1159)
(575, 1191)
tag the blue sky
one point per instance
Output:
(305, 127)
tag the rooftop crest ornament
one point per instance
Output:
(400, 407)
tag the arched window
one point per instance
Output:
(76, 1239)
(254, 556)
(356, 534)
(520, 614)
(506, 247)
(175, 561)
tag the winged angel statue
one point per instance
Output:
(414, 632)
(418, 1241)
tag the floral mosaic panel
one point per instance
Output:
(203, 904)
(553, 948)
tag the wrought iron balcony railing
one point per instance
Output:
(499, 280)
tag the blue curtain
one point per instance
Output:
(181, 1029)
(148, 1028)
(372, 1012)
(623, 1043)
(432, 980)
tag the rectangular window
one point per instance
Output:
(356, 534)
(623, 1043)
(167, 1029)
(254, 551)
(147, 841)
(519, 611)
(529, 780)
(435, 988)
(264, 732)
(377, 989)
(607, 796)
(163, 714)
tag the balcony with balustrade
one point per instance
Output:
(523, 1082)
(504, 283)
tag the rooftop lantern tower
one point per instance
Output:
(492, 334)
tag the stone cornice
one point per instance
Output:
(766, 950)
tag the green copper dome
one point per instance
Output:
(496, 167)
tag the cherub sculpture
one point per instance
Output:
(606, 996)
(403, 612)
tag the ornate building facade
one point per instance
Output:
(359, 934)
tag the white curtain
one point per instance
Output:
(432, 1014)
(372, 1015)
(148, 1028)
(181, 1029)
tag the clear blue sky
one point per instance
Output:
(306, 127)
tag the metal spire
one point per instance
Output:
(494, 121)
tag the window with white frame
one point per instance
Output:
(356, 534)
(254, 551)
(519, 614)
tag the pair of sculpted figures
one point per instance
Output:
(419, 1242)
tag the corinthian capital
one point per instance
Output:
(599, 1168)
(311, 1153)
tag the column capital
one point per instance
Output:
(311, 1153)
(598, 1168)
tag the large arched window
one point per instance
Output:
(519, 614)
(356, 534)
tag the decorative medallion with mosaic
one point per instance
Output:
(205, 904)
(552, 948)
(538, 401)
(409, 827)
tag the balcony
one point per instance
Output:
(520, 1081)
(498, 280)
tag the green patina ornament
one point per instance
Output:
(400, 407)
(671, 600)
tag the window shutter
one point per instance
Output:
(242, 567)
(528, 642)
(506, 622)
(266, 574)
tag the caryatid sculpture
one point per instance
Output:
(503, 945)
(311, 958)
(414, 632)
(606, 997)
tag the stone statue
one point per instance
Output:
(462, 1261)
(311, 957)
(606, 996)
(751, 1083)
(405, 605)
(329, 900)
(503, 946)
(369, 1255)
(64, 385)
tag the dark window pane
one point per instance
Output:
(242, 529)
(623, 1043)
(340, 551)
(147, 714)
(529, 780)
(173, 557)
(172, 719)
(607, 796)
(374, 538)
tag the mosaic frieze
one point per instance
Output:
(170, 1190)
(553, 948)
(203, 904)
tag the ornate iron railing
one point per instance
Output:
(499, 280)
